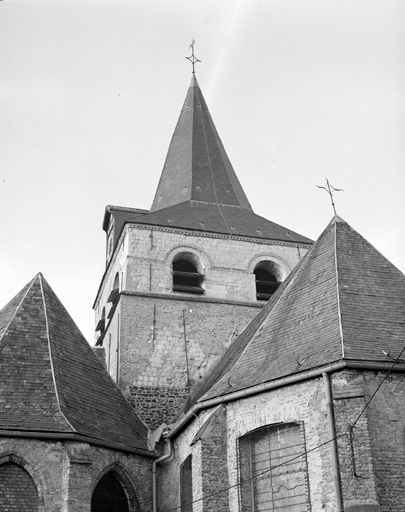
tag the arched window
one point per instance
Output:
(115, 290)
(110, 495)
(17, 489)
(101, 323)
(266, 280)
(273, 470)
(186, 278)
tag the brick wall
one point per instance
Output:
(386, 418)
(64, 474)
(167, 345)
(371, 461)
(18, 492)
(214, 471)
(160, 347)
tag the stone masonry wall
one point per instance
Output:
(354, 445)
(66, 473)
(214, 471)
(166, 347)
(159, 347)
(386, 417)
(169, 473)
(227, 264)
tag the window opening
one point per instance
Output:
(186, 278)
(186, 485)
(17, 489)
(285, 486)
(101, 323)
(266, 283)
(113, 297)
(109, 495)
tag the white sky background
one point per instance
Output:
(91, 92)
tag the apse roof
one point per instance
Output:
(343, 302)
(52, 382)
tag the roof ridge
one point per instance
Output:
(19, 304)
(276, 303)
(50, 354)
(337, 219)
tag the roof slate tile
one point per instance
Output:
(51, 379)
(343, 301)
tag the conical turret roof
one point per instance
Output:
(197, 166)
(51, 381)
(343, 302)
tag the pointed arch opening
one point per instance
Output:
(18, 490)
(267, 279)
(111, 494)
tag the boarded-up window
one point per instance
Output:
(273, 470)
(18, 492)
(186, 485)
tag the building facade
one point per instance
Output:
(238, 367)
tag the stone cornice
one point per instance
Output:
(203, 234)
(191, 298)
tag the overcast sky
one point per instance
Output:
(299, 90)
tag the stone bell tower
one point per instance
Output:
(183, 279)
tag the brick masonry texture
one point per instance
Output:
(214, 471)
(386, 418)
(156, 348)
(65, 474)
(18, 492)
(370, 463)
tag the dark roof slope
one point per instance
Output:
(343, 301)
(223, 219)
(197, 166)
(51, 380)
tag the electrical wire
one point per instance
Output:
(378, 387)
(272, 468)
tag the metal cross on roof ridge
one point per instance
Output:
(193, 59)
(329, 191)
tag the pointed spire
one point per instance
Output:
(197, 167)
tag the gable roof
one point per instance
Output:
(343, 302)
(52, 382)
(197, 166)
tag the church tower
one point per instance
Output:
(188, 274)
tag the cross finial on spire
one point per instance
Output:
(192, 57)
(329, 191)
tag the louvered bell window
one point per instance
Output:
(186, 278)
(266, 283)
(273, 470)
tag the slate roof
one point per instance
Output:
(222, 219)
(51, 381)
(197, 166)
(344, 301)
(198, 187)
